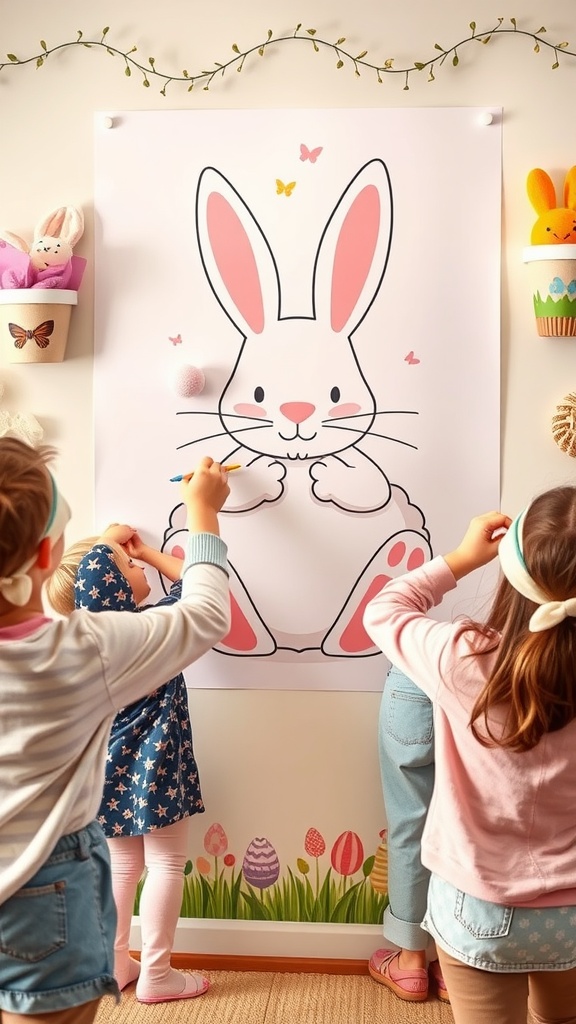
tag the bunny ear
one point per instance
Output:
(236, 257)
(541, 192)
(15, 240)
(67, 223)
(570, 189)
(354, 249)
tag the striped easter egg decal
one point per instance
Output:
(261, 866)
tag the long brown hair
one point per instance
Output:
(534, 676)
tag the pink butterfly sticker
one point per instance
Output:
(310, 154)
(411, 358)
(177, 340)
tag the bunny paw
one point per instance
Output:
(403, 552)
(248, 636)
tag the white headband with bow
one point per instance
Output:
(512, 563)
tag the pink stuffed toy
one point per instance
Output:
(50, 254)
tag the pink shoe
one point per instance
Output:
(410, 985)
(195, 985)
(435, 972)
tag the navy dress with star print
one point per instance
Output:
(151, 772)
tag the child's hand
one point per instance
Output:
(119, 533)
(135, 546)
(204, 494)
(479, 544)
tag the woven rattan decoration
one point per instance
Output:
(564, 425)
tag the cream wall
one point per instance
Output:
(319, 749)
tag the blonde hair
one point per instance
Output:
(25, 500)
(60, 588)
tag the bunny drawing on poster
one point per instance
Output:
(294, 412)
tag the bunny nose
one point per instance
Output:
(297, 411)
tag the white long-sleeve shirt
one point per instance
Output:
(61, 684)
(501, 824)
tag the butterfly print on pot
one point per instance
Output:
(40, 334)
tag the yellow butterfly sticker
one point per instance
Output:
(281, 188)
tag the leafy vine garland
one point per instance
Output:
(204, 78)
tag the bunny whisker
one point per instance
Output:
(228, 415)
(386, 437)
(364, 415)
(372, 433)
(223, 433)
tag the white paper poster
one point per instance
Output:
(334, 275)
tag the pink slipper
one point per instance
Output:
(435, 972)
(195, 985)
(410, 985)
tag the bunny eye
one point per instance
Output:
(548, 229)
(335, 395)
(259, 394)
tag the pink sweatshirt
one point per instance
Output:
(501, 825)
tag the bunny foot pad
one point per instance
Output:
(400, 554)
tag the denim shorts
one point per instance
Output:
(493, 937)
(57, 932)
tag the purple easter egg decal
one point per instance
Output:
(261, 866)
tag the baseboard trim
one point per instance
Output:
(270, 964)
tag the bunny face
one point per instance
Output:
(297, 392)
(49, 252)
(555, 224)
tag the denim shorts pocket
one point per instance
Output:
(482, 920)
(409, 717)
(46, 905)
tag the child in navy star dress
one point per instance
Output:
(152, 786)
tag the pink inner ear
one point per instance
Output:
(354, 254)
(235, 260)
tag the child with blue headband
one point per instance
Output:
(500, 836)
(63, 682)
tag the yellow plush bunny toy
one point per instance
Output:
(556, 225)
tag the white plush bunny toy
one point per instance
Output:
(54, 237)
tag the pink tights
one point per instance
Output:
(163, 854)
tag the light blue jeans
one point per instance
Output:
(57, 932)
(406, 748)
